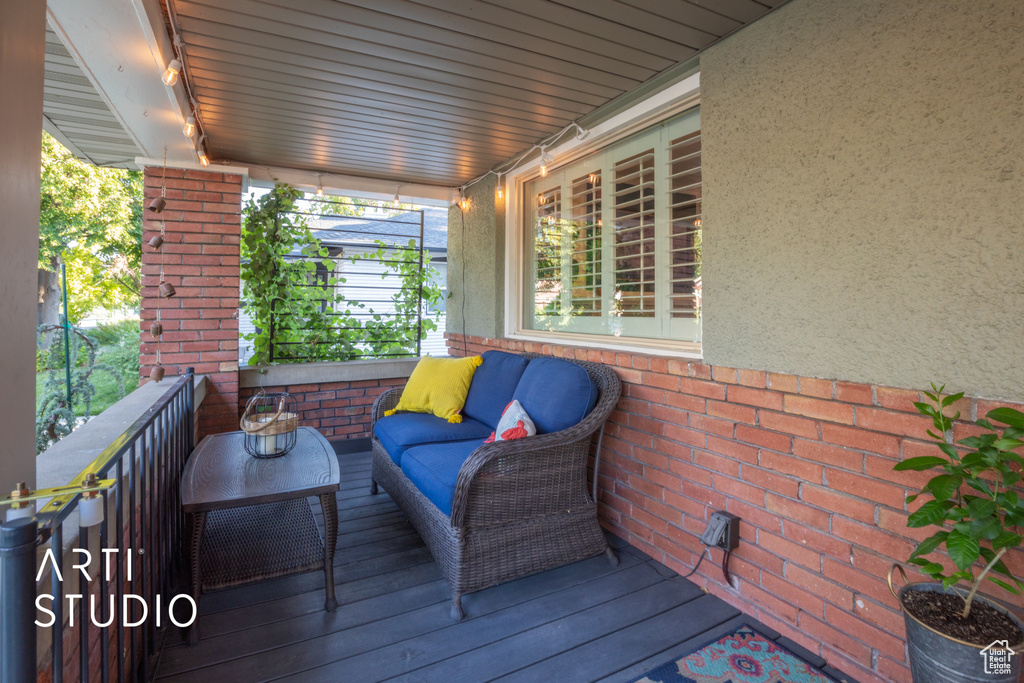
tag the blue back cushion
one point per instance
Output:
(434, 469)
(555, 393)
(493, 384)
(404, 430)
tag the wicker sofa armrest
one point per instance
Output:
(537, 475)
(386, 401)
(509, 481)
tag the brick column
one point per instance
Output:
(200, 258)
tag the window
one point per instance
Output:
(614, 239)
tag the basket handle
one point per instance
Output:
(245, 423)
(892, 589)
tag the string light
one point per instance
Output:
(190, 127)
(499, 190)
(170, 76)
(545, 161)
(396, 203)
(203, 159)
(319, 186)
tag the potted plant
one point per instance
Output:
(953, 632)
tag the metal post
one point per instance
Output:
(419, 297)
(65, 324)
(18, 588)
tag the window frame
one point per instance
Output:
(676, 99)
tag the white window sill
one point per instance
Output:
(658, 347)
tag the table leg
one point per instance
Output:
(198, 525)
(329, 504)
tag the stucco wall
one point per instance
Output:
(481, 247)
(863, 182)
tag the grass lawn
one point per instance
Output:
(103, 380)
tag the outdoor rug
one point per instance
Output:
(743, 656)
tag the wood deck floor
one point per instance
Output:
(583, 622)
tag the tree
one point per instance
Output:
(99, 209)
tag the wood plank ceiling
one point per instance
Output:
(428, 91)
(75, 114)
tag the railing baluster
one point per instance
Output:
(103, 591)
(151, 544)
(140, 665)
(57, 591)
(83, 611)
(133, 574)
(118, 571)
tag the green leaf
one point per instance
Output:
(932, 512)
(920, 463)
(987, 528)
(944, 486)
(929, 544)
(963, 549)
(982, 507)
(1007, 540)
(951, 399)
(1005, 586)
(1007, 416)
(1008, 444)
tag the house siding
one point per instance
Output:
(805, 462)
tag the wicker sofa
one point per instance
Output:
(516, 507)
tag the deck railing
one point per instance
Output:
(137, 551)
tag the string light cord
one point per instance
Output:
(462, 247)
(184, 75)
(581, 133)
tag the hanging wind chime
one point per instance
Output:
(166, 289)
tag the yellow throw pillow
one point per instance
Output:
(438, 386)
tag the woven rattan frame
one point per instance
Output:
(520, 506)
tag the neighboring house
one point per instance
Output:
(351, 236)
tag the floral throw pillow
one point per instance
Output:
(514, 424)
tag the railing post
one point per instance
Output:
(18, 589)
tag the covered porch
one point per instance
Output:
(847, 174)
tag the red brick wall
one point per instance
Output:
(805, 462)
(337, 409)
(200, 257)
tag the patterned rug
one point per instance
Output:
(743, 656)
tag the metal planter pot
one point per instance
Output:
(938, 658)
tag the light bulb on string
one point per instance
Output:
(203, 159)
(396, 203)
(319, 187)
(170, 76)
(545, 161)
(499, 191)
(190, 127)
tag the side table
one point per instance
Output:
(250, 517)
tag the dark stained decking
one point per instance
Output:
(583, 622)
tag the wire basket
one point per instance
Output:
(270, 422)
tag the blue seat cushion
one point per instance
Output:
(493, 385)
(555, 393)
(400, 431)
(434, 469)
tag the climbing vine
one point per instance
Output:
(55, 416)
(293, 290)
